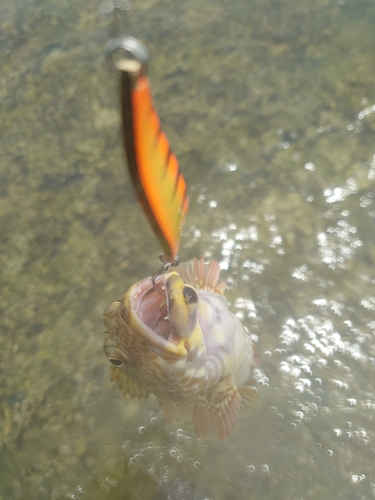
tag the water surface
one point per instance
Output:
(270, 107)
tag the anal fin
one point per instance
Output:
(216, 412)
(127, 385)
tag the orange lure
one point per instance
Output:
(160, 187)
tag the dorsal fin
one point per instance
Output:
(201, 275)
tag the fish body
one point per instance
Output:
(176, 338)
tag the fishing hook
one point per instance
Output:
(166, 265)
(153, 279)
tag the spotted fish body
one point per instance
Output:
(178, 340)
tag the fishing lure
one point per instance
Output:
(158, 182)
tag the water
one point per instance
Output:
(270, 107)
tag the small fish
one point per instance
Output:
(176, 338)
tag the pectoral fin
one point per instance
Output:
(249, 396)
(127, 385)
(216, 412)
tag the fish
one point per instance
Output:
(174, 336)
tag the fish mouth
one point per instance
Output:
(150, 305)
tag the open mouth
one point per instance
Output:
(151, 306)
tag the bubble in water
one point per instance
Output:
(265, 468)
(310, 166)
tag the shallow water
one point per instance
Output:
(270, 107)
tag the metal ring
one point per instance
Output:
(175, 262)
(134, 48)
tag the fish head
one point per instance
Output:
(155, 317)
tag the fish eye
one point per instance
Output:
(190, 295)
(115, 355)
(115, 362)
